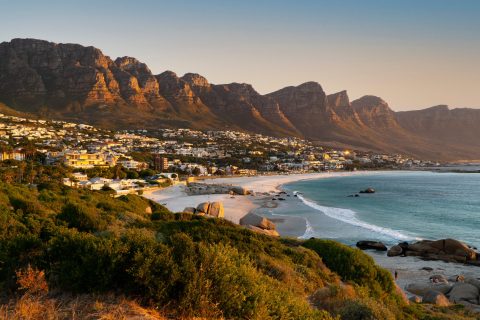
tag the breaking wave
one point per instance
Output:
(348, 216)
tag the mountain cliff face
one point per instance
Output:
(73, 82)
(38, 72)
(457, 127)
(375, 113)
(306, 101)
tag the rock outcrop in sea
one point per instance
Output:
(372, 245)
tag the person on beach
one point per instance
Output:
(396, 275)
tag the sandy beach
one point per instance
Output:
(176, 199)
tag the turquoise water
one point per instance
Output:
(406, 206)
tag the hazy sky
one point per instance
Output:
(412, 53)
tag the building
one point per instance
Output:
(132, 164)
(18, 155)
(160, 163)
(84, 160)
(247, 172)
(76, 179)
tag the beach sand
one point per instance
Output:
(176, 199)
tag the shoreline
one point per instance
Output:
(236, 207)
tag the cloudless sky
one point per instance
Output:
(412, 53)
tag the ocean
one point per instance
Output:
(406, 206)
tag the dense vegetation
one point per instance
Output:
(184, 265)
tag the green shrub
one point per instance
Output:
(132, 174)
(82, 218)
(367, 309)
(81, 262)
(355, 310)
(352, 265)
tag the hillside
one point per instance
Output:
(77, 83)
(67, 251)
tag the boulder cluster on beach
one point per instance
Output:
(251, 221)
(196, 188)
(259, 224)
(449, 250)
(443, 291)
(209, 209)
(438, 289)
(371, 245)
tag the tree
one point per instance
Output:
(8, 176)
(147, 173)
(21, 171)
(31, 174)
(118, 172)
(132, 174)
(196, 171)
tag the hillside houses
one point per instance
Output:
(188, 152)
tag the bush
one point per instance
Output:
(367, 309)
(132, 174)
(354, 310)
(81, 217)
(352, 265)
(195, 279)
(146, 173)
(81, 262)
(32, 281)
(108, 189)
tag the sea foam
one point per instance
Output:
(348, 216)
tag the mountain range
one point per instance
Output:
(77, 83)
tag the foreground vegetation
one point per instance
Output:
(59, 244)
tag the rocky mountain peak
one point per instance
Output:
(370, 102)
(132, 65)
(195, 80)
(173, 87)
(18, 43)
(168, 75)
(242, 89)
(310, 86)
(375, 112)
(439, 108)
(306, 95)
(339, 99)
(35, 72)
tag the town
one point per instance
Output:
(131, 161)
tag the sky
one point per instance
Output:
(412, 53)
